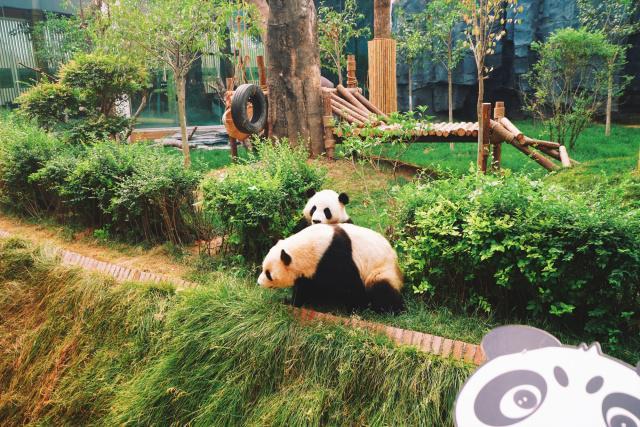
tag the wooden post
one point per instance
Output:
(234, 148)
(484, 127)
(352, 80)
(327, 121)
(382, 60)
(498, 113)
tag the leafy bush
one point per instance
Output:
(25, 149)
(259, 202)
(569, 82)
(130, 191)
(518, 247)
(49, 104)
(82, 105)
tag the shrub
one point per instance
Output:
(134, 192)
(103, 80)
(24, 149)
(82, 107)
(49, 104)
(569, 82)
(259, 202)
(521, 248)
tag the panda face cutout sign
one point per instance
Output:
(326, 207)
(530, 379)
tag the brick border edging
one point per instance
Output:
(432, 344)
(118, 272)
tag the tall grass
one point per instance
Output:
(78, 349)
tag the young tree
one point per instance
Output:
(168, 32)
(617, 21)
(410, 45)
(442, 17)
(485, 21)
(569, 81)
(335, 30)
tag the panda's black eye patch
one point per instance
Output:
(313, 209)
(327, 213)
(268, 274)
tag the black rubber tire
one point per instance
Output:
(242, 96)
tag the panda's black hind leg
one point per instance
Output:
(384, 298)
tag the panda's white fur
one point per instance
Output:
(326, 207)
(338, 263)
(532, 380)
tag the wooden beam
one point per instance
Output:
(540, 159)
(512, 128)
(484, 127)
(349, 97)
(369, 105)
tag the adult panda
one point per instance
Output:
(326, 207)
(342, 265)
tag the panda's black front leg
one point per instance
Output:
(302, 292)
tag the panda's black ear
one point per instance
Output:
(515, 339)
(343, 198)
(285, 257)
(310, 193)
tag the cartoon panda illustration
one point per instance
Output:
(326, 207)
(530, 379)
(343, 265)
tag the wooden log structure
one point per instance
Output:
(485, 128)
(382, 59)
(352, 80)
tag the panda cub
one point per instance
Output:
(343, 265)
(326, 207)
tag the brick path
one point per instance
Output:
(445, 347)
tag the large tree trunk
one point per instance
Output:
(293, 76)
(181, 89)
(382, 19)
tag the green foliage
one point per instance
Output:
(58, 37)
(25, 149)
(259, 202)
(77, 350)
(335, 30)
(103, 81)
(615, 18)
(519, 247)
(134, 192)
(49, 104)
(82, 106)
(569, 81)
(442, 18)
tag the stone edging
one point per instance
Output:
(433, 344)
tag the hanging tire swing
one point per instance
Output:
(245, 95)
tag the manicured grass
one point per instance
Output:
(205, 160)
(79, 349)
(601, 156)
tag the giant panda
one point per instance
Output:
(530, 379)
(343, 265)
(326, 207)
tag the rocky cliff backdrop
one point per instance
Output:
(512, 59)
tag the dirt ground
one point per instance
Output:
(156, 259)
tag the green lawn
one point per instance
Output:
(600, 155)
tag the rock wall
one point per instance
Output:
(512, 59)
